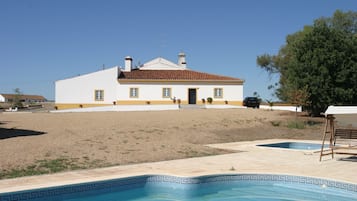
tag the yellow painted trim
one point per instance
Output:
(61, 106)
(226, 82)
(199, 102)
(184, 102)
(223, 102)
(137, 92)
(214, 93)
(145, 102)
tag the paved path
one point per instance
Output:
(250, 159)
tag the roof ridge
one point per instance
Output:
(186, 74)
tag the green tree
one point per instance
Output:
(299, 97)
(17, 99)
(322, 57)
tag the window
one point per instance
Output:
(99, 95)
(218, 92)
(166, 92)
(134, 92)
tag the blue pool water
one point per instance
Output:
(294, 145)
(251, 187)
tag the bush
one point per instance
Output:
(296, 124)
(209, 100)
(275, 123)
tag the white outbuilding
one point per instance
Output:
(2, 98)
(158, 81)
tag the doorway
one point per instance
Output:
(192, 96)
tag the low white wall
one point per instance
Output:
(287, 108)
(117, 108)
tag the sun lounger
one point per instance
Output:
(345, 141)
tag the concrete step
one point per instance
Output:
(192, 106)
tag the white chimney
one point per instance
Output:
(182, 60)
(128, 64)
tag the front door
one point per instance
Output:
(192, 93)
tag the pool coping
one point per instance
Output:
(256, 144)
(249, 160)
(141, 181)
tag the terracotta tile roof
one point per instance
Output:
(184, 75)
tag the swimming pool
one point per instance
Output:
(250, 187)
(294, 145)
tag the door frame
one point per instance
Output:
(189, 96)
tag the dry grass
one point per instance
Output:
(89, 140)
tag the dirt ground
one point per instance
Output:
(98, 139)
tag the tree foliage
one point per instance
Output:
(320, 60)
(17, 98)
(299, 97)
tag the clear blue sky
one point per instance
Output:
(42, 41)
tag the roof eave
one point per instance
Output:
(239, 82)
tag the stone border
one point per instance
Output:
(140, 181)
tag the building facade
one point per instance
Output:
(158, 81)
(22, 98)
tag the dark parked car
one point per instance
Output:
(253, 102)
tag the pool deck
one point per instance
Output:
(249, 159)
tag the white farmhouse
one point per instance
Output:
(22, 98)
(158, 81)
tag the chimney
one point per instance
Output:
(128, 64)
(182, 60)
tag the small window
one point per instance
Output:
(99, 95)
(134, 92)
(166, 92)
(218, 92)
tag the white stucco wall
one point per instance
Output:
(81, 89)
(277, 107)
(2, 99)
(116, 108)
(180, 91)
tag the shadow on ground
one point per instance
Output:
(350, 159)
(13, 132)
